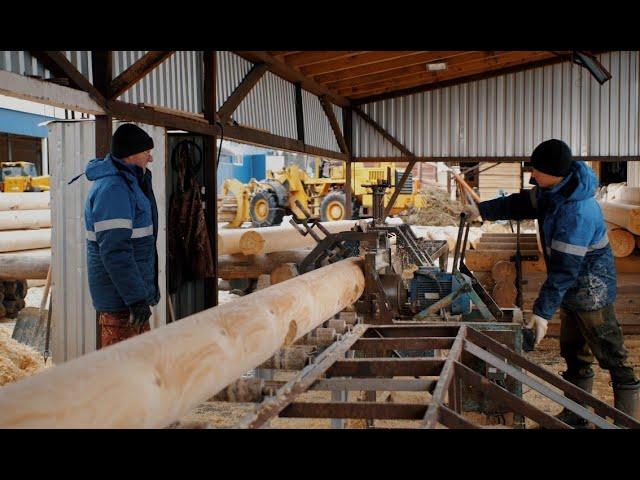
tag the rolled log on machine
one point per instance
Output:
(156, 378)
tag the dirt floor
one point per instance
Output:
(547, 355)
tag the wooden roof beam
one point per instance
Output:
(469, 58)
(475, 64)
(292, 75)
(354, 72)
(333, 121)
(303, 59)
(355, 60)
(426, 83)
(240, 93)
(137, 71)
(56, 62)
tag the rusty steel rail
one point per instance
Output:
(365, 359)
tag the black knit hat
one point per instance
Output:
(129, 139)
(552, 157)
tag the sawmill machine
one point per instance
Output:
(406, 284)
(266, 202)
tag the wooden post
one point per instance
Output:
(211, 175)
(102, 68)
(347, 119)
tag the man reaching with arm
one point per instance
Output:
(581, 275)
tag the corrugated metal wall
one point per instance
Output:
(176, 83)
(509, 115)
(230, 70)
(270, 106)
(317, 129)
(71, 146)
(633, 174)
(22, 63)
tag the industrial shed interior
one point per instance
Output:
(317, 264)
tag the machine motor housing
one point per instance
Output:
(430, 284)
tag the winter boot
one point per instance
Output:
(626, 398)
(567, 416)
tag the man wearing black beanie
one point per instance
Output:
(581, 274)
(121, 219)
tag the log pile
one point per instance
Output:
(621, 210)
(25, 246)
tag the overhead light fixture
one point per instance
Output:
(436, 67)
(592, 64)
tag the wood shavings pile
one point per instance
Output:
(17, 360)
(439, 209)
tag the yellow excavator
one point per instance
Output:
(266, 202)
(22, 177)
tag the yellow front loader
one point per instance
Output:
(22, 177)
(265, 203)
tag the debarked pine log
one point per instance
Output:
(154, 379)
(16, 240)
(622, 214)
(25, 201)
(622, 242)
(25, 219)
(25, 265)
(282, 238)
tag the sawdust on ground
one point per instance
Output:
(16, 360)
(547, 355)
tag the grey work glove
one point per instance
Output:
(140, 313)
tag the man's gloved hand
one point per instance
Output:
(140, 313)
(471, 211)
(540, 325)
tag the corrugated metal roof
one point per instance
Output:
(509, 115)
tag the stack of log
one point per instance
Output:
(25, 246)
(621, 210)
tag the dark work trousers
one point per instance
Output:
(585, 335)
(115, 327)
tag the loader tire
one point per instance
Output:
(264, 209)
(333, 207)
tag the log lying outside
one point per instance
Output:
(25, 265)
(240, 266)
(25, 219)
(622, 242)
(156, 378)
(16, 240)
(622, 214)
(25, 201)
(282, 238)
(627, 195)
(484, 260)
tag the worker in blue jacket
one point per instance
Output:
(581, 275)
(121, 220)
